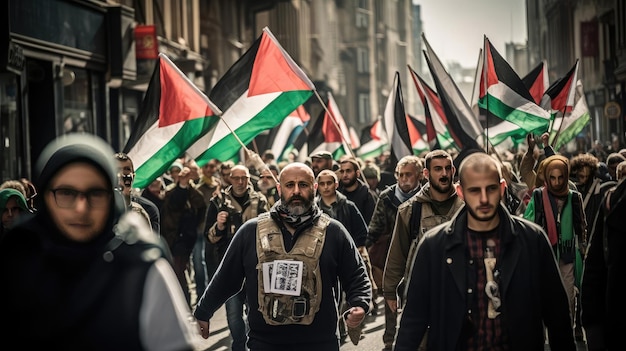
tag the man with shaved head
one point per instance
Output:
(485, 280)
(291, 259)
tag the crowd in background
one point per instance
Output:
(196, 211)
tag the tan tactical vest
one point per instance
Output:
(429, 220)
(279, 309)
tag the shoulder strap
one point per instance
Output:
(416, 219)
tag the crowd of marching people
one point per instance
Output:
(468, 250)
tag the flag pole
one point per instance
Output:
(332, 118)
(485, 86)
(255, 158)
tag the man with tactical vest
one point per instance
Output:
(231, 207)
(291, 260)
(434, 203)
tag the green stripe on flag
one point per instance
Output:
(155, 166)
(269, 117)
(570, 132)
(529, 122)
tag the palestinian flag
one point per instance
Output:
(560, 96)
(417, 131)
(373, 140)
(401, 132)
(283, 136)
(256, 94)
(503, 131)
(334, 134)
(174, 115)
(567, 128)
(437, 133)
(504, 95)
(463, 124)
(537, 81)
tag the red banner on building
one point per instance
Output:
(589, 38)
(146, 43)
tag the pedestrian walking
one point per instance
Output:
(485, 280)
(79, 277)
(291, 304)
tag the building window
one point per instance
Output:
(77, 102)
(362, 4)
(364, 108)
(362, 19)
(362, 60)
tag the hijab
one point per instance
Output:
(65, 150)
(552, 163)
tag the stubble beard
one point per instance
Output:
(440, 189)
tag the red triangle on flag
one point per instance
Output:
(274, 70)
(414, 133)
(180, 100)
(331, 133)
(490, 70)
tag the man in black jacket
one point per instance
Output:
(485, 280)
(355, 189)
(299, 315)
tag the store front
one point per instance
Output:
(55, 76)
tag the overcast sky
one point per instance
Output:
(455, 28)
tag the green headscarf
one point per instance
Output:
(6, 194)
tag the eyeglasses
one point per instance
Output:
(239, 179)
(263, 177)
(96, 198)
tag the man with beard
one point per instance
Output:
(320, 161)
(290, 304)
(408, 174)
(146, 208)
(267, 184)
(435, 203)
(355, 189)
(559, 211)
(485, 280)
(584, 168)
(227, 211)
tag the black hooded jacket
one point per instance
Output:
(69, 295)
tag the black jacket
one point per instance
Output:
(602, 300)
(531, 288)
(339, 261)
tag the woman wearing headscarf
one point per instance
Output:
(13, 206)
(559, 210)
(77, 276)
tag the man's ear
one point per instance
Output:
(280, 190)
(502, 187)
(459, 191)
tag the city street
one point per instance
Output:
(371, 339)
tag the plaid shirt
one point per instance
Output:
(488, 333)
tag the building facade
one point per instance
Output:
(593, 31)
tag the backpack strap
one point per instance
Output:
(416, 219)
